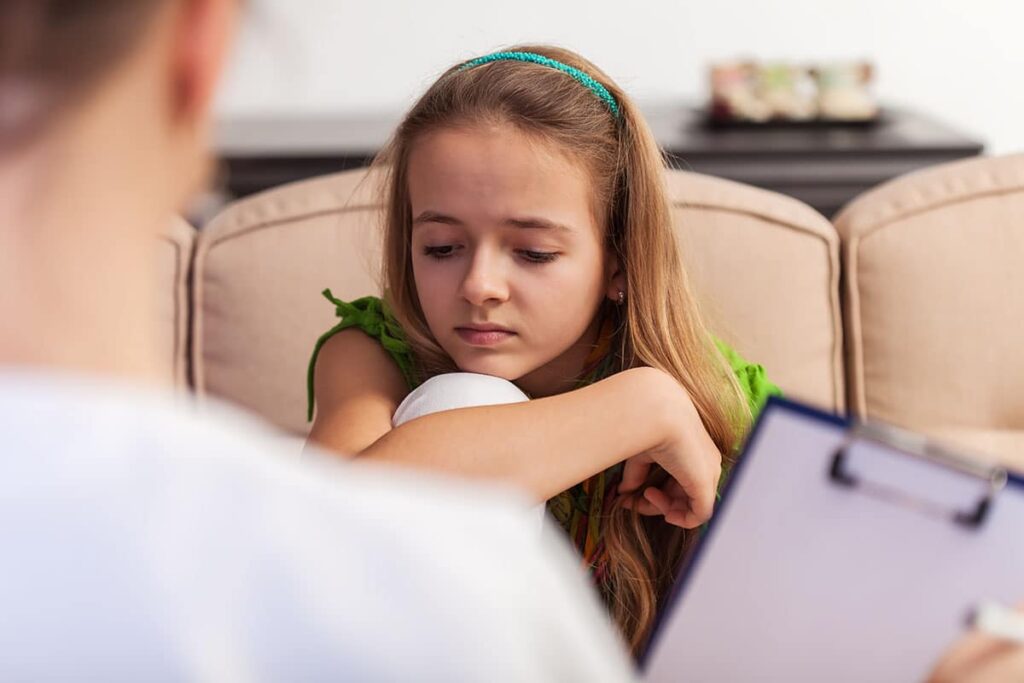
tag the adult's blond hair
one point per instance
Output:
(659, 325)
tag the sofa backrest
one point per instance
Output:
(174, 257)
(766, 271)
(765, 266)
(934, 303)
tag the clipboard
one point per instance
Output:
(840, 552)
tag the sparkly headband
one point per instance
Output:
(583, 78)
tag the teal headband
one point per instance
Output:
(583, 78)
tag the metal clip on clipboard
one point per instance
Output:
(917, 446)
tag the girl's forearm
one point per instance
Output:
(546, 445)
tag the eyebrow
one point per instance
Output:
(525, 223)
(532, 223)
(435, 217)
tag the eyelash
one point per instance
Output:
(446, 251)
(439, 253)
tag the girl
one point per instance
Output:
(528, 238)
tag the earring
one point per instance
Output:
(622, 298)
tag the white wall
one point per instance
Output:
(960, 61)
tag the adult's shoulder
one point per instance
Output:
(217, 553)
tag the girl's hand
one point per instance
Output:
(686, 454)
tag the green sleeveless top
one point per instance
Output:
(579, 510)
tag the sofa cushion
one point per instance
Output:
(934, 311)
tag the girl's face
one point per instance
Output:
(508, 258)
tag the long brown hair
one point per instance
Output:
(659, 325)
(53, 51)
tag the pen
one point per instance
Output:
(998, 620)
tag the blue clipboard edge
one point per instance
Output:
(773, 404)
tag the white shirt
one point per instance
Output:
(143, 541)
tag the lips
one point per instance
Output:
(484, 335)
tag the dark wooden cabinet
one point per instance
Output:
(824, 166)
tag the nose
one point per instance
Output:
(485, 281)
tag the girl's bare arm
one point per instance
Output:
(545, 446)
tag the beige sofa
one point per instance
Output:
(174, 257)
(926, 266)
(934, 312)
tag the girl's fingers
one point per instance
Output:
(675, 508)
(658, 499)
(683, 519)
(674, 491)
(697, 493)
(669, 500)
(634, 474)
(642, 506)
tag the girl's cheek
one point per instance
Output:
(434, 277)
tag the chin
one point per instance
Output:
(494, 367)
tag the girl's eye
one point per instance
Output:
(538, 256)
(440, 252)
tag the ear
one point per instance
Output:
(200, 37)
(205, 29)
(615, 277)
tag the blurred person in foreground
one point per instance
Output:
(143, 541)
